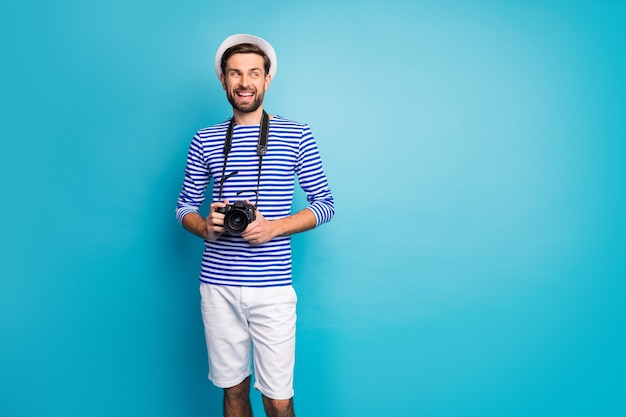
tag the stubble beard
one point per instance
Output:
(247, 108)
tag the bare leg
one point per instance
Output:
(237, 400)
(278, 408)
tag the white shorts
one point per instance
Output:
(236, 319)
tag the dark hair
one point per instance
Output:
(246, 48)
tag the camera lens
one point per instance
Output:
(236, 221)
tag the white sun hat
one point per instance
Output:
(243, 38)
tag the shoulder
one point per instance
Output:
(287, 126)
(285, 123)
(216, 130)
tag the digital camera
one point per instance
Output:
(237, 216)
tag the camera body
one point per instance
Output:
(237, 216)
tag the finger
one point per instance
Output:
(216, 205)
(215, 228)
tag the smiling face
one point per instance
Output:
(245, 81)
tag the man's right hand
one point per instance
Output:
(215, 221)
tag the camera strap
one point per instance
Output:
(261, 149)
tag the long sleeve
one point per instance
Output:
(312, 179)
(197, 178)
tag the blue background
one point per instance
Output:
(476, 262)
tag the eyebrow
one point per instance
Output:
(239, 70)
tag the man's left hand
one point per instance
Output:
(260, 230)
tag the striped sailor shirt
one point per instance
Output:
(292, 153)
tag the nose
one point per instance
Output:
(244, 80)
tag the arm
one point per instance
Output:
(197, 177)
(299, 222)
(195, 224)
(262, 230)
(210, 228)
(314, 183)
(312, 179)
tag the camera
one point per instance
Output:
(237, 216)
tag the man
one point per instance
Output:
(246, 284)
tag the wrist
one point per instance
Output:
(278, 227)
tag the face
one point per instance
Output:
(245, 82)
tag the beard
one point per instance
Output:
(247, 107)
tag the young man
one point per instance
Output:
(246, 284)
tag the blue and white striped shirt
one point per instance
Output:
(291, 152)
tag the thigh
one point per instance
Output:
(228, 341)
(272, 321)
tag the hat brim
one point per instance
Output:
(243, 38)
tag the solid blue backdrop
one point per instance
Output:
(475, 265)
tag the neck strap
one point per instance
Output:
(261, 149)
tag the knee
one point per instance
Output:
(278, 408)
(240, 390)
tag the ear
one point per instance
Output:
(268, 80)
(223, 81)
